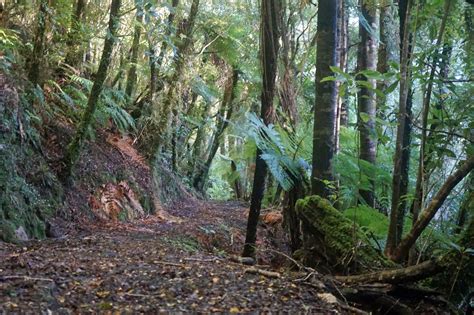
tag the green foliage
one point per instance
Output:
(29, 191)
(281, 157)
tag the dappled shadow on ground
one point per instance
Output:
(150, 265)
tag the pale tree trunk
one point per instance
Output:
(74, 148)
(389, 43)
(269, 48)
(366, 98)
(324, 133)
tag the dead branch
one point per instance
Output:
(266, 273)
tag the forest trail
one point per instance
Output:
(149, 265)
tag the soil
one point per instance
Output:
(151, 266)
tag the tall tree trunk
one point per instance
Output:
(324, 134)
(160, 135)
(343, 115)
(132, 71)
(223, 118)
(74, 51)
(74, 148)
(287, 91)
(422, 174)
(38, 46)
(269, 47)
(366, 98)
(387, 51)
(400, 164)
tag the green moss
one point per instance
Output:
(334, 240)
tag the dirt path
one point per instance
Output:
(148, 266)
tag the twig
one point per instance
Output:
(266, 273)
(203, 260)
(26, 278)
(167, 263)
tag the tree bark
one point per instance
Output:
(269, 47)
(324, 133)
(74, 148)
(38, 48)
(132, 71)
(366, 98)
(400, 164)
(400, 252)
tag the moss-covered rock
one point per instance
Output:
(333, 242)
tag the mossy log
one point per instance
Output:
(332, 241)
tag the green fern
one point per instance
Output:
(281, 157)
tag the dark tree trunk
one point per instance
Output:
(269, 36)
(223, 118)
(38, 46)
(423, 171)
(401, 251)
(132, 71)
(236, 184)
(400, 163)
(324, 134)
(366, 98)
(74, 49)
(74, 148)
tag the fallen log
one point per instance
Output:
(401, 275)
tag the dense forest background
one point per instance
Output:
(349, 122)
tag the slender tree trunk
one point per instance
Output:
(389, 43)
(324, 134)
(401, 251)
(132, 71)
(160, 135)
(287, 91)
(75, 51)
(367, 102)
(343, 64)
(269, 47)
(400, 164)
(236, 184)
(227, 109)
(38, 47)
(422, 174)
(156, 62)
(74, 148)
(197, 154)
